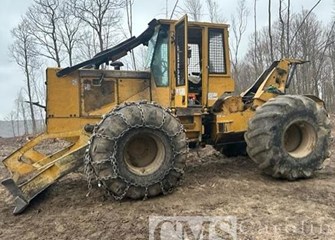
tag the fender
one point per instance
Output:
(317, 100)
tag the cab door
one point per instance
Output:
(181, 61)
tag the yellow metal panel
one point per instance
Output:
(264, 97)
(192, 125)
(133, 89)
(219, 84)
(143, 95)
(59, 125)
(34, 156)
(277, 79)
(21, 169)
(63, 97)
(161, 95)
(29, 179)
(103, 110)
(196, 24)
(234, 122)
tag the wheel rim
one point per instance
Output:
(300, 139)
(144, 154)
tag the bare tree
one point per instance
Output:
(88, 44)
(329, 42)
(312, 41)
(69, 27)
(331, 59)
(282, 30)
(215, 13)
(303, 21)
(288, 27)
(142, 58)
(21, 113)
(239, 26)
(44, 20)
(11, 118)
(194, 9)
(39, 91)
(24, 54)
(17, 111)
(174, 9)
(129, 10)
(270, 33)
(166, 9)
(255, 38)
(102, 16)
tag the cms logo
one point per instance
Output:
(192, 227)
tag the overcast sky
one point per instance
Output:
(12, 78)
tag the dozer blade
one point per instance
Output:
(32, 172)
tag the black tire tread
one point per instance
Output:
(262, 126)
(113, 125)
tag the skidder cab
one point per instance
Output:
(131, 129)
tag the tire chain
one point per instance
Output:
(91, 173)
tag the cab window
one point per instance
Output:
(159, 65)
(217, 63)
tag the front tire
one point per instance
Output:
(289, 137)
(138, 151)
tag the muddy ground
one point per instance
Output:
(213, 186)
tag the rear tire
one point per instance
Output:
(289, 137)
(138, 151)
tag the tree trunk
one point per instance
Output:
(282, 34)
(288, 29)
(270, 34)
(255, 38)
(30, 94)
(25, 124)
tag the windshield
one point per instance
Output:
(159, 59)
(151, 48)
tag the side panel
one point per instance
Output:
(161, 95)
(101, 90)
(233, 123)
(84, 96)
(63, 96)
(63, 125)
(133, 90)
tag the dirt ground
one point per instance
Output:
(213, 186)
